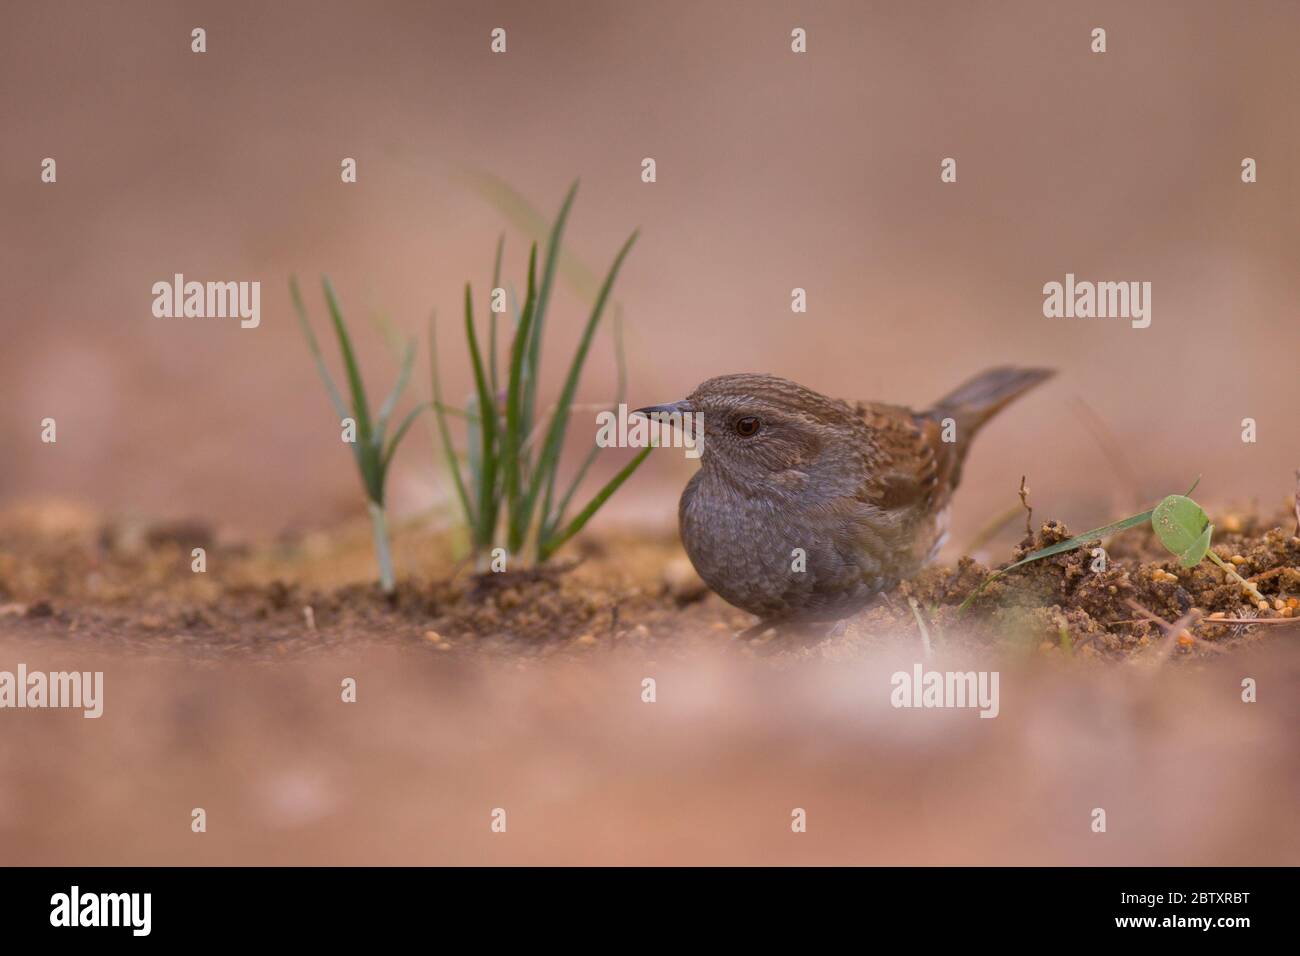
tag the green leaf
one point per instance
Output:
(550, 545)
(365, 453)
(487, 500)
(549, 458)
(492, 316)
(359, 404)
(404, 373)
(534, 352)
(474, 451)
(368, 450)
(440, 412)
(1184, 528)
(551, 521)
(511, 464)
(314, 347)
(399, 435)
(1088, 537)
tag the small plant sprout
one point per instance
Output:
(509, 496)
(1178, 521)
(372, 448)
(1184, 528)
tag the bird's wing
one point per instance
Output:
(899, 503)
(911, 465)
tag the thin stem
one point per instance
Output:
(1232, 573)
(380, 523)
(920, 623)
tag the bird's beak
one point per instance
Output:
(660, 411)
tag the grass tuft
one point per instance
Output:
(513, 451)
(372, 449)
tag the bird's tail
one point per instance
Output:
(974, 402)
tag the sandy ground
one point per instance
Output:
(218, 695)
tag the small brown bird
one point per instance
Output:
(805, 508)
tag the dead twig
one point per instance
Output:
(925, 633)
(1174, 631)
(1029, 512)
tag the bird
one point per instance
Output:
(806, 508)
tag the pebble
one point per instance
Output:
(437, 640)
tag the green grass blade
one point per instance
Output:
(367, 451)
(398, 435)
(359, 404)
(474, 453)
(1078, 541)
(511, 463)
(548, 460)
(404, 373)
(525, 217)
(492, 316)
(444, 431)
(487, 497)
(549, 546)
(362, 452)
(550, 522)
(1088, 537)
(336, 399)
(534, 353)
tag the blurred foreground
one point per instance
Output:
(708, 774)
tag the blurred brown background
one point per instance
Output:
(774, 170)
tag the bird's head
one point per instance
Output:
(756, 425)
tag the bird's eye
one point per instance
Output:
(747, 427)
